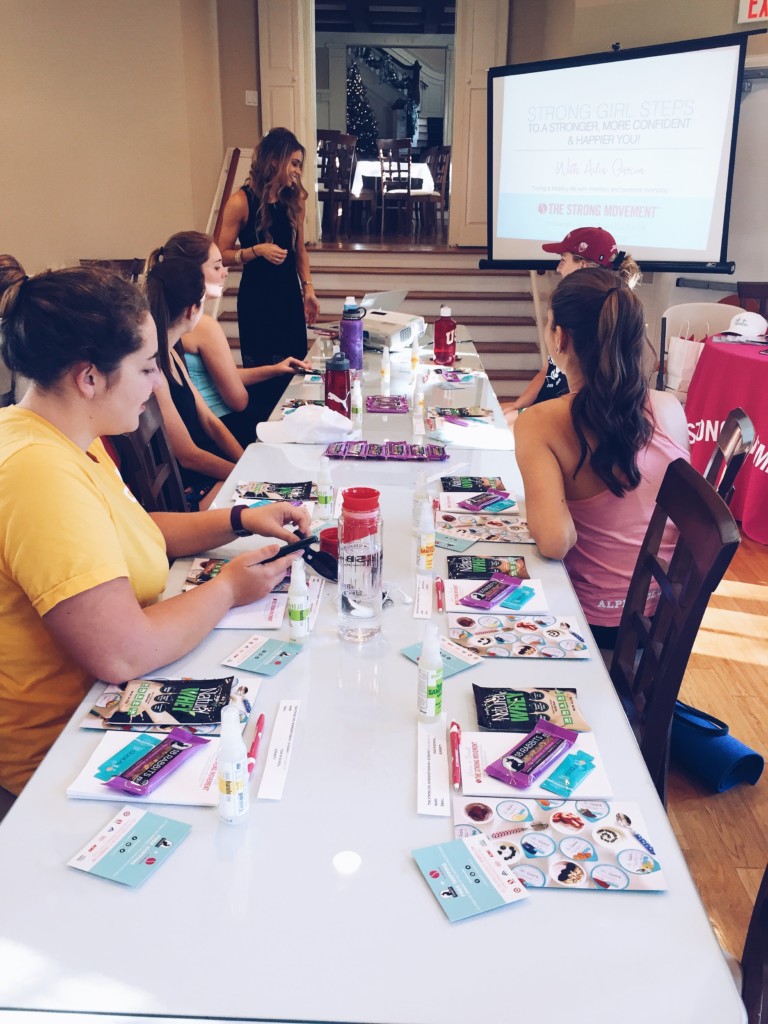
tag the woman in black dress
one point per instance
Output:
(276, 300)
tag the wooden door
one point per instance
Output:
(481, 43)
(287, 79)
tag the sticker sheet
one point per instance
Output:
(472, 527)
(566, 844)
(494, 635)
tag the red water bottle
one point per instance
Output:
(337, 384)
(445, 338)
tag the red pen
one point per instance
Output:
(455, 733)
(254, 748)
(440, 591)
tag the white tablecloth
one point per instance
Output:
(372, 169)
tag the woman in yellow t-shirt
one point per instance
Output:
(81, 563)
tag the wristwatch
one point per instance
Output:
(236, 521)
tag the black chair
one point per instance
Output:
(754, 293)
(131, 269)
(395, 164)
(731, 449)
(651, 653)
(754, 959)
(335, 158)
(439, 163)
(147, 463)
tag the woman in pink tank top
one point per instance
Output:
(592, 460)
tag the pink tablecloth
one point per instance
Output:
(728, 376)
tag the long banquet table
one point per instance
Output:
(257, 924)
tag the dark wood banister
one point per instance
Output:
(231, 172)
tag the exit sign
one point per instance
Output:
(753, 10)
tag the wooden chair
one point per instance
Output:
(148, 465)
(336, 156)
(753, 295)
(132, 269)
(395, 162)
(731, 449)
(754, 959)
(651, 653)
(7, 385)
(439, 163)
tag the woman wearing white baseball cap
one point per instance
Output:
(582, 247)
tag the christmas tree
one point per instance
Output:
(361, 121)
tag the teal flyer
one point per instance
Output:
(131, 847)
(468, 877)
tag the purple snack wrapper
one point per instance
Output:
(480, 501)
(492, 591)
(398, 450)
(417, 453)
(336, 449)
(533, 755)
(157, 764)
(436, 452)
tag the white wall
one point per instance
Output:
(110, 125)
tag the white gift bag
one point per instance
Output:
(682, 356)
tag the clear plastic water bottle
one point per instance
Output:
(351, 332)
(445, 338)
(360, 565)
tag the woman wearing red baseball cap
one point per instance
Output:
(582, 247)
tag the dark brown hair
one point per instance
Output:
(606, 323)
(269, 158)
(62, 317)
(189, 245)
(172, 285)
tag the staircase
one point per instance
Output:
(495, 306)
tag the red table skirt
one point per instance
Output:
(728, 376)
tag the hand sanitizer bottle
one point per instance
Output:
(421, 497)
(386, 372)
(232, 763)
(430, 675)
(298, 603)
(415, 350)
(425, 539)
(324, 508)
(356, 404)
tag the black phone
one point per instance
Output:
(297, 545)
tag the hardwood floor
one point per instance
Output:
(724, 836)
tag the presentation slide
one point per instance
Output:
(640, 147)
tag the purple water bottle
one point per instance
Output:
(351, 332)
(337, 385)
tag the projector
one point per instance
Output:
(394, 331)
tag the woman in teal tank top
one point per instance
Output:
(228, 389)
